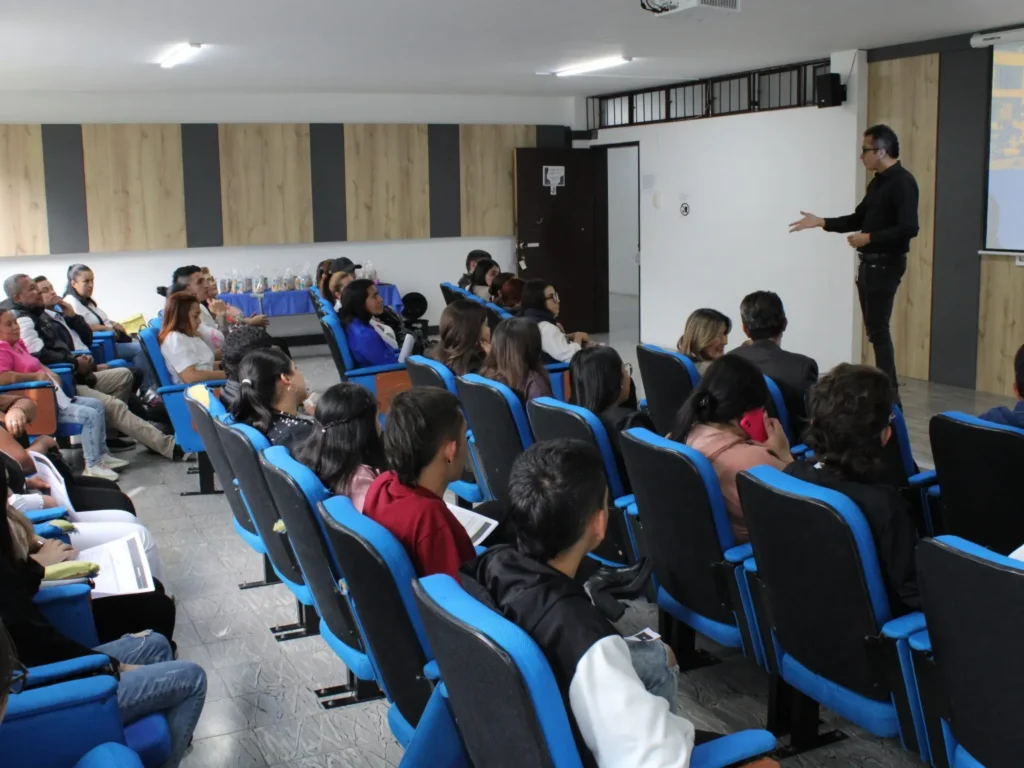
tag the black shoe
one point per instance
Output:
(119, 444)
(624, 583)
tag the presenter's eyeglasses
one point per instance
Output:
(865, 150)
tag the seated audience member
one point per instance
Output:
(218, 312)
(1011, 417)
(344, 447)
(510, 296)
(494, 290)
(270, 391)
(336, 275)
(465, 337)
(602, 384)
(370, 341)
(184, 278)
(850, 411)
(704, 337)
(426, 448)
(17, 366)
(189, 356)
(149, 679)
(764, 322)
(483, 275)
(78, 293)
(540, 303)
(240, 342)
(514, 359)
(558, 504)
(709, 422)
(471, 261)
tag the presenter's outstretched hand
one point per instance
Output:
(809, 221)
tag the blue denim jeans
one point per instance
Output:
(132, 351)
(650, 661)
(175, 689)
(90, 414)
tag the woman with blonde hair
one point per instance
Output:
(704, 337)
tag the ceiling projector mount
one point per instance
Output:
(699, 9)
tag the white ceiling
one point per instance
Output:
(440, 46)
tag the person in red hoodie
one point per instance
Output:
(426, 448)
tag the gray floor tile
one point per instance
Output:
(221, 717)
(234, 750)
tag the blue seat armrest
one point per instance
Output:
(82, 666)
(625, 501)
(737, 555)
(103, 334)
(60, 366)
(934, 492)
(556, 367)
(750, 565)
(26, 385)
(798, 450)
(808, 455)
(171, 389)
(468, 491)
(923, 479)
(40, 516)
(905, 626)
(116, 363)
(47, 531)
(375, 369)
(480, 549)
(632, 510)
(431, 672)
(67, 607)
(921, 641)
(642, 405)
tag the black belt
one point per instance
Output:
(879, 258)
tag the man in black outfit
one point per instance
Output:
(883, 225)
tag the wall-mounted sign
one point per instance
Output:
(553, 176)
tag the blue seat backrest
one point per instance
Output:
(778, 404)
(504, 314)
(334, 324)
(424, 372)
(668, 378)
(479, 653)
(151, 343)
(901, 435)
(815, 552)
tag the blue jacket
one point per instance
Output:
(366, 345)
(1006, 416)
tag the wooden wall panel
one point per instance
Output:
(904, 94)
(134, 190)
(387, 182)
(487, 161)
(1000, 323)
(266, 192)
(23, 228)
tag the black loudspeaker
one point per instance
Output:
(831, 91)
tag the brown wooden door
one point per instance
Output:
(555, 233)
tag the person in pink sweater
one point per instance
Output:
(709, 421)
(344, 448)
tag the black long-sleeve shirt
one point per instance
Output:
(888, 213)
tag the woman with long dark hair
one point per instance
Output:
(515, 359)
(603, 385)
(185, 343)
(730, 392)
(484, 273)
(270, 390)
(344, 447)
(541, 304)
(465, 337)
(494, 289)
(370, 341)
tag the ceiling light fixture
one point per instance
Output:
(179, 54)
(593, 66)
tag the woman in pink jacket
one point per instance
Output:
(724, 419)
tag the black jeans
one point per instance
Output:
(876, 288)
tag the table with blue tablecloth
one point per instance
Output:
(282, 303)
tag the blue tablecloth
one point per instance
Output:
(280, 303)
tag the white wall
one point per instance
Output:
(623, 220)
(745, 177)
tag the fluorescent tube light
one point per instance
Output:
(593, 66)
(179, 54)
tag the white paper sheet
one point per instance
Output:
(124, 569)
(477, 526)
(407, 345)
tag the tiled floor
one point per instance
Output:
(260, 708)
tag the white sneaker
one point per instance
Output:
(98, 470)
(112, 462)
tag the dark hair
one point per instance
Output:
(515, 353)
(595, 374)
(554, 490)
(511, 293)
(1018, 369)
(846, 412)
(763, 315)
(73, 272)
(730, 387)
(497, 282)
(182, 276)
(475, 256)
(353, 302)
(459, 348)
(479, 276)
(419, 422)
(323, 276)
(239, 342)
(344, 436)
(176, 312)
(258, 375)
(884, 137)
(533, 295)
(703, 327)
(40, 279)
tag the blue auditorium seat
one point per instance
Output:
(668, 377)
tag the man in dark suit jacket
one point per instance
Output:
(764, 322)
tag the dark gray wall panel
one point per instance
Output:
(327, 175)
(64, 172)
(553, 137)
(200, 161)
(445, 184)
(960, 187)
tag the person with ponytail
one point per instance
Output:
(270, 391)
(732, 390)
(344, 447)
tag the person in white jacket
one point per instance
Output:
(541, 304)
